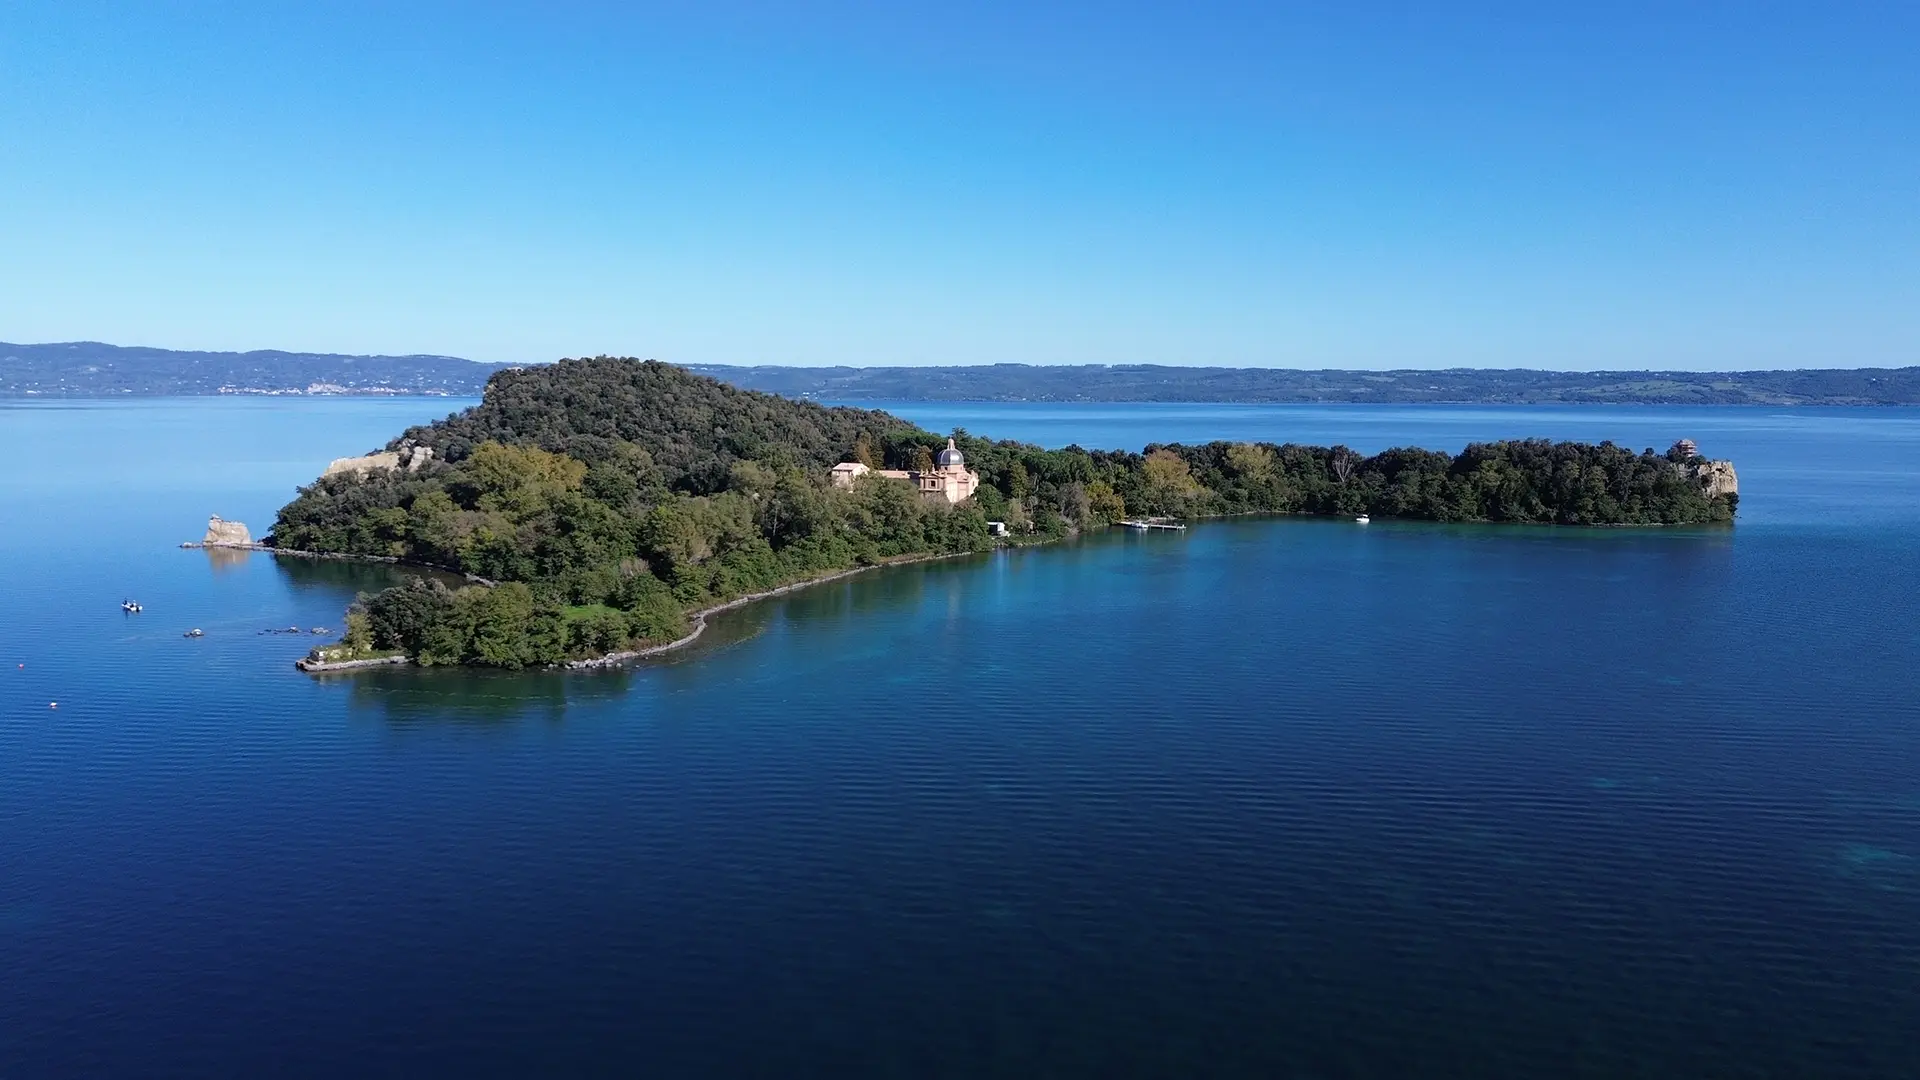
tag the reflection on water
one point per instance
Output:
(351, 574)
(226, 560)
(408, 695)
(477, 696)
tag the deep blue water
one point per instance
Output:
(1270, 798)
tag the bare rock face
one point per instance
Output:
(224, 533)
(361, 466)
(1716, 478)
(410, 457)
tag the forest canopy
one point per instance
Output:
(597, 502)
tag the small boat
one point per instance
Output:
(1362, 519)
(131, 607)
(195, 632)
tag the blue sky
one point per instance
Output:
(1703, 185)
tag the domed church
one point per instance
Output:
(950, 479)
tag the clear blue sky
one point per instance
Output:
(1345, 184)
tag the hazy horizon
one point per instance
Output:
(963, 363)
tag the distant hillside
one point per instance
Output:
(1099, 382)
(91, 369)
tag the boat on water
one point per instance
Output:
(195, 632)
(1362, 519)
(131, 607)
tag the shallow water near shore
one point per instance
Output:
(1271, 797)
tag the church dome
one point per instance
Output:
(950, 458)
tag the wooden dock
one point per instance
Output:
(1144, 524)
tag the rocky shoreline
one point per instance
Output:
(315, 667)
(699, 617)
(615, 659)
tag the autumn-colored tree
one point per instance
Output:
(1168, 479)
(1250, 461)
(499, 469)
(1104, 503)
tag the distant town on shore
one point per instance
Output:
(92, 369)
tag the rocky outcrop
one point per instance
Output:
(411, 457)
(316, 666)
(1715, 478)
(224, 533)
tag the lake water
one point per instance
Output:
(1269, 798)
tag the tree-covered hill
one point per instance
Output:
(93, 369)
(608, 498)
(692, 427)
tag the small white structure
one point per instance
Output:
(949, 479)
(845, 473)
(997, 528)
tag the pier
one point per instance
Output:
(1152, 523)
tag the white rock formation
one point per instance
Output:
(410, 457)
(1716, 478)
(224, 533)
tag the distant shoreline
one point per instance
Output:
(92, 369)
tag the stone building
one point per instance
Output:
(949, 479)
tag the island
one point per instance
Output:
(602, 507)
